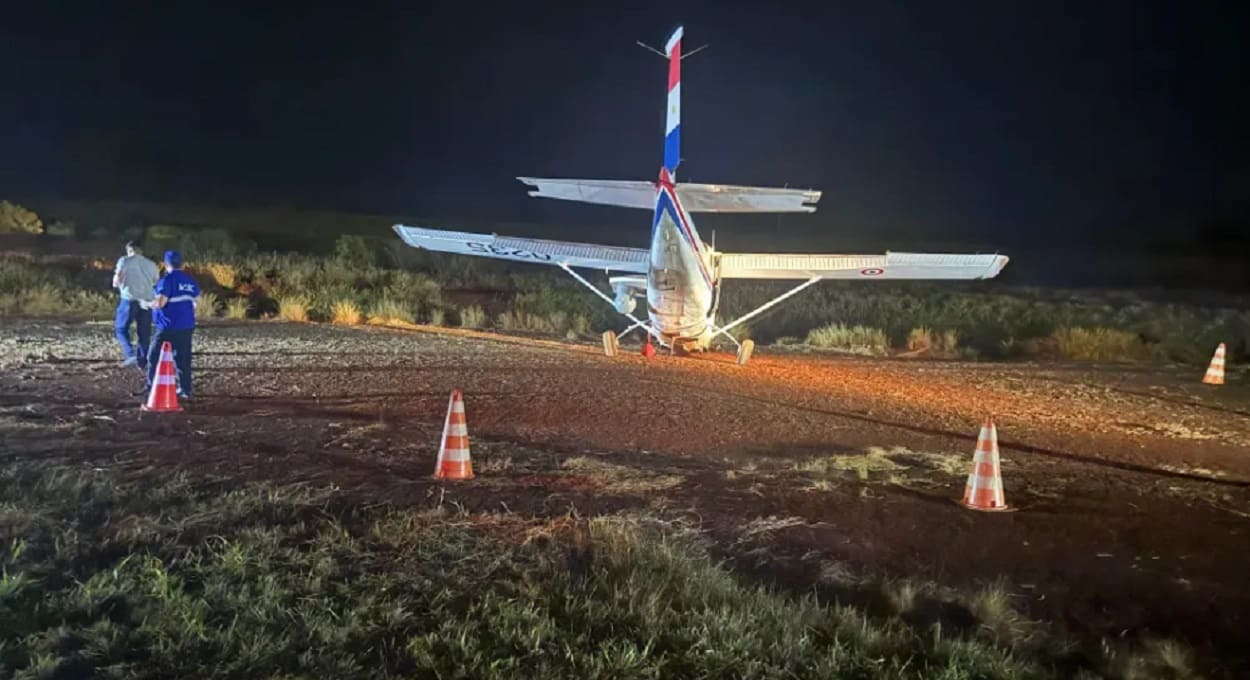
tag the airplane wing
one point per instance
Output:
(541, 251)
(722, 198)
(887, 266)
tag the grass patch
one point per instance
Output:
(1154, 659)
(992, 607)
(225, 275)
(346, 313)
(953, 464)
(236, 308)
(873, 460)
(166, 577)
(854, 339)
(896, 465)
(17, 219)
(936, 343)
(390, 311)
(293, 308)
(619, 478)
(555, 323)
(992, 319)
(472, 317)
(207, 306)
(90, 304)
(1102, 344)
(975, 319)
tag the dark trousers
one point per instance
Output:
(128, 312)
(181, 342)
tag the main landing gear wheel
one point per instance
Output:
(744, 351)
(610, 344)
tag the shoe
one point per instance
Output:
(183, 397)
(132, 361)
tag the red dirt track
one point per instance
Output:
(1132, 485)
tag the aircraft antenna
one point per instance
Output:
(694, 51)
(649, 48)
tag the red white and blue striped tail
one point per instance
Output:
(672, 127)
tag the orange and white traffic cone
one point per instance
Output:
(164, 395)
(453, 455)
(1215, 372)
(984, 490)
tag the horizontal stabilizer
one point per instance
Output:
(539, 251)
(887, 266)
(722, 198)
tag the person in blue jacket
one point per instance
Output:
(173, 315)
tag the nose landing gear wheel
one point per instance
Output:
(744, 351)
(610, 343)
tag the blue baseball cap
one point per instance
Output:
(173, 258)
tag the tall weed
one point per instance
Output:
(293, 308)
(207, 307)
(346, 313)
(855, 339)
(472, 317)
(390, 311)
(236, 308)
(1102, 344)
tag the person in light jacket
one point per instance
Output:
(134, 277)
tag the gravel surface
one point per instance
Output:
(1131, 484)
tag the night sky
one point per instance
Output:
(1008, 123)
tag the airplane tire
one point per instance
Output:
(744, 352)
(610, 343)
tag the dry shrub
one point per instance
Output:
(472, 317)
(293, 308)
(206, 308)
(1102, 344)
(919, 340)
(15, 218)
(43, 299)
(346, 313)
(90, 303)
(236, 308)
(856, 339)
(224, 274)
(997, 617)
(943, 343)
(390, 311)
(1154, 658)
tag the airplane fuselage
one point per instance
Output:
(681, 281)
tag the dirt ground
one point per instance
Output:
(1131, 485)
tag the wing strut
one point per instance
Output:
(724, 330)
(637, 324)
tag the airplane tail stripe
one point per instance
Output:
(672, 127)
(674, 67)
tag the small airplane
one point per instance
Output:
(680, 275)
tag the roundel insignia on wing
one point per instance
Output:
(871, 272)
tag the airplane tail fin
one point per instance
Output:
(672, 128)
(694, 197)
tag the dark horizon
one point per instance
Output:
(1063, 126)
